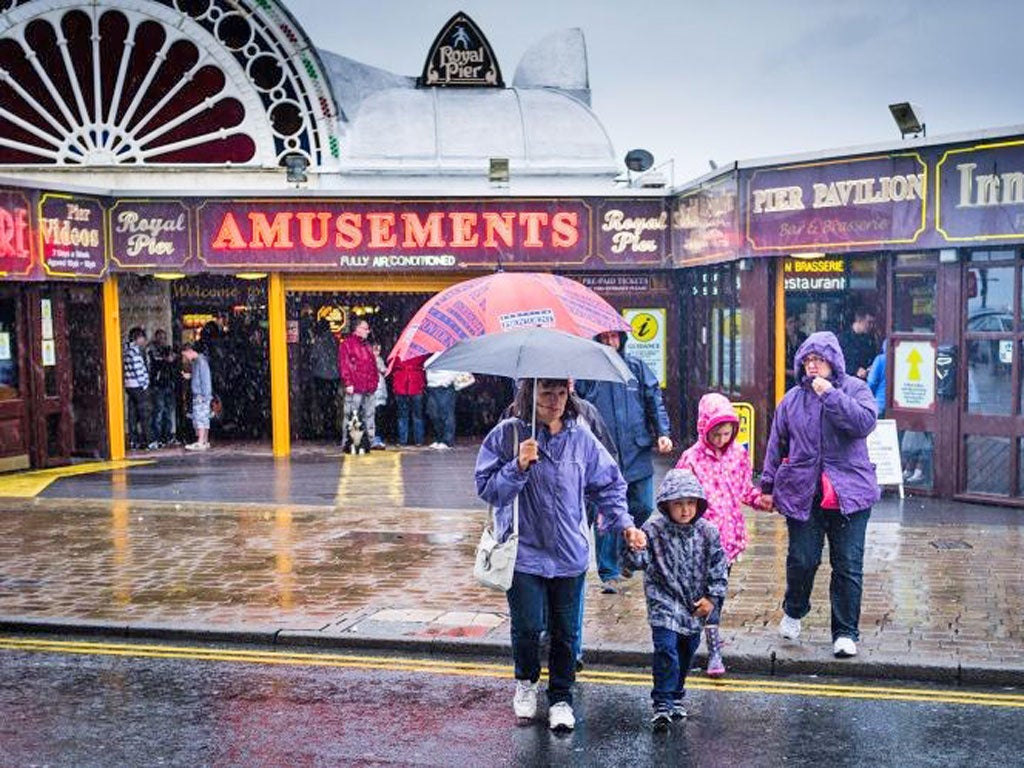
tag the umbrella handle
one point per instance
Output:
(535, 409)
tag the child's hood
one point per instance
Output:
(681, 484)
(713, 410)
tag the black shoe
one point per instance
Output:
(579, 665)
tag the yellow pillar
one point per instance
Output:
(278, 365)
(112, 354)
(780, 330)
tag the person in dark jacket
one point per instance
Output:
(323, 365)
(817, 473)
(859, 345)
(637, 419)
(685, 581)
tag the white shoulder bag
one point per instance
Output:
(496, 561)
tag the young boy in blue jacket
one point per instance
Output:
(684, 580)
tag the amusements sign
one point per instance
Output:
(705, 223)
(646, 339)
(632, 232)
(393, 235)
(71, 237)
(981, 192)
(870, 201)
(150, 234)
(15, 233)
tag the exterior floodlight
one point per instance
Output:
(907, 119)
(295, 168)
(497, 170)
(639, 160)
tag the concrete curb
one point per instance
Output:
(766, 665)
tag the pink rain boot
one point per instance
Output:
(716, 668)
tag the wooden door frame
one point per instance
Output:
(20, 460)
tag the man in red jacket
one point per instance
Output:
(359, 375)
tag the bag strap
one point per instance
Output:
(515, 501)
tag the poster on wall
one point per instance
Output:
(914, 375)
(646, 339)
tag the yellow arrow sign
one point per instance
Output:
(915, 360)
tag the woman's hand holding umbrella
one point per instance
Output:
(528, 453)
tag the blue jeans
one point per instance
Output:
(673, 654)
(846, 555)
(410, 407)
(441, 411)
(532, 602)
(163, 413)
(640, 498)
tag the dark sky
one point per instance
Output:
(695, 81)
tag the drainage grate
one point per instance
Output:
(951, 544)
(392, 537)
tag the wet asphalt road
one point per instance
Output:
(82, 709)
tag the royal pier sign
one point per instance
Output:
(461, 57)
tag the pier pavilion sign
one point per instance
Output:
(461, 57)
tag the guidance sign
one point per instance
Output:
(914, 375)
(646, 339)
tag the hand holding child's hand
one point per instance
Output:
(703, 607)
(766, 502)
(635, 538)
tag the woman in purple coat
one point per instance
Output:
(818, 475)
(552, 475)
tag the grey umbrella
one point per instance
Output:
(535, 353)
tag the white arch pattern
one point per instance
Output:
(160, 82)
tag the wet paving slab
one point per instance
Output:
(944, 598)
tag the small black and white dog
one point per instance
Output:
(358, 441)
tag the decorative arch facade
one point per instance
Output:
(161, 82)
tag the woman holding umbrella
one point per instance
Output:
(553, 473)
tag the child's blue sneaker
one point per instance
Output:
(679, 711)
(661, 720)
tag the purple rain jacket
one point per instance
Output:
(573, 467)
(812, 434)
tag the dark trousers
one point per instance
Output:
(536, 603)
(410, 407)
(138, 417)
(441, 411)
(163, 413)
(846, 555)
(673, 654)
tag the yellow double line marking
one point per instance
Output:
(475, 669)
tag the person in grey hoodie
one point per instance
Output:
(818, 474)
(202, 396)
(684, 580)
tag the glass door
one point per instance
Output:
(992, 428)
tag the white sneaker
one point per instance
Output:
(789, 627)
(916, 476)
(561, 718)
(525, 701)
(844, 648)
(435, 446)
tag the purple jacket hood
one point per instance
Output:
(814, 434)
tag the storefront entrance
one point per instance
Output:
(316, 307)
(50, 357)
(991, 420)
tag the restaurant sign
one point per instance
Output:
(149, 235)
(869, 201)
(388, 234)
(15, 233)
(71, 237)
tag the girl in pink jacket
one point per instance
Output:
(725, 473)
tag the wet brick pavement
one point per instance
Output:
(321, 549)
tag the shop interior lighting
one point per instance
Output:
(250, 275)
(907, 119)
(169, 275)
